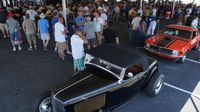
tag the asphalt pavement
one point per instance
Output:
(26, 76)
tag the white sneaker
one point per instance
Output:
(19, 48)
(14, 49)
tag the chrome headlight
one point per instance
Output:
(175, 53)
(147, 46)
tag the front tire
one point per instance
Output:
(196, 47)
(182, 59)
(155, 85)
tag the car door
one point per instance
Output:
(126, 90)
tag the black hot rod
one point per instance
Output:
(112, 76)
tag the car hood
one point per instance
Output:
(169, 42)
(80, 84)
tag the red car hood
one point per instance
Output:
(169, 42)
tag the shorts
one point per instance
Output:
(79, 64)
(3, 27)
(45, 36)
(62, 46)
(92, 42)
(14, 36)
(31, 37)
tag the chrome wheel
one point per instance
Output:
(159, 86)
(46, 105)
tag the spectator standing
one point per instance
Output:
(90, 33)
(43, 26)
(104, 17)
(154, 12)
(59, 35)
(99, 23)
(3, 25)
(13, 27)
(32, 13)
(194, 23)
(54, 20)
(80, 21)
(136, 22)
(143, 24)
(110, 35)
(86, 11)
(152, 26)
(29, 28)
(77, 44)
(116, 13)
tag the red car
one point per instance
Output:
(174, 42)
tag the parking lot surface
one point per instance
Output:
(25, 76)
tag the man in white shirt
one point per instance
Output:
(104, 17)
(152, 26)
(60, 32)
(99, 23)
(32, 13)
(77, 44)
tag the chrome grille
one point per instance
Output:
(161, 50)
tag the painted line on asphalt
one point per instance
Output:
(194, 61)
(182, 90)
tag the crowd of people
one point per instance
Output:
(88, 24)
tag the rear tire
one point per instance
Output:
(155, 85)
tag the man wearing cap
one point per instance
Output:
(13, 27)
(43, 26)
(29, 28)
(32, 13)
(77, 44)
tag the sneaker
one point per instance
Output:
(30, 49)
(14, 49)
(19, 48)
(35, 47)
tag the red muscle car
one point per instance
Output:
(174, 42)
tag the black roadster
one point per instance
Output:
(111, 77)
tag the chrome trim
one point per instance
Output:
(151, 50)
(104, 89)
(152, 64)
(72, 84)
(104, 69)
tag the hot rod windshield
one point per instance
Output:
(107, 66)
(177, 32)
